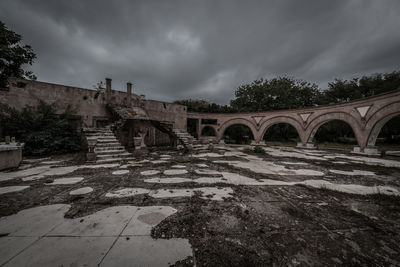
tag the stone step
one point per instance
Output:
(109, 151)
(111, 160)
(107, 140)
(109, 156)
(98, 132)
(99, 135)
(107, 144)
(109, 148)
(106, 137)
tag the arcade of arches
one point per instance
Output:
(362, 121)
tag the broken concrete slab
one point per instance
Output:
(175, 172)
(146, 251)
(107, 222)
(353, 172)
(36, 221)
(128, 192)
(65, 181)
(11, 189)
(146, 218)
(120, 172)
(81, 191)
(64, 251)
(43, 237)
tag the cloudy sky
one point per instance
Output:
(205, 49)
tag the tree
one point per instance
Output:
(275, 94)
(13, 55)
(204, 106)
(346, 90)
(43, 131)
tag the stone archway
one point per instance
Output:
(318, 121)
(265, 125)
(378, 120)
(239, 121)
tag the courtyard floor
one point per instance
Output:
(214, 206)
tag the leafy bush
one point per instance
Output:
(258, 150)
(42, 130)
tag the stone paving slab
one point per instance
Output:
(41, 236)
(107, 222)
(145, 251)
(64, 251)
(35, 222)
(12, 246)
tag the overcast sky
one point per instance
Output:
(200, 49)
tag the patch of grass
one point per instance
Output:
(281, 143)
(256, 150)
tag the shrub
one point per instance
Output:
(42, 130)
(258, 150)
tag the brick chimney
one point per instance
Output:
(108, 84)
(108, 90)
(129, 88)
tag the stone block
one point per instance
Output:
(10, 155)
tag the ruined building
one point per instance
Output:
(134, 122)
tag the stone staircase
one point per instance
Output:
(185, 137)
(108, 149)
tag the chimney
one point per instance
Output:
(129, 88)
(108, 85)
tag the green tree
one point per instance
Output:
(204, 106)
(346, 90)
(42, 130)
(275, 94)
(13, 55)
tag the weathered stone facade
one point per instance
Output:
(366, 116)
(91, 106)
(92, 109)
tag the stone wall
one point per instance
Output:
(91, 108)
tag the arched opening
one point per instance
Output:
(334, 134)
(386, 134)
(238, 134)
(208, 131)
(281, 134)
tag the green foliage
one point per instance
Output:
(335, 131)
(41, 129)
(288, 93)
(13, 56)
(204, 106)
(258, 150)
(238, 134)
(281, 132)
(344, 90)
(275, 94)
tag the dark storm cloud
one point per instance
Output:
(205, 49)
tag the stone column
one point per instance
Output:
(368, 150)
(198, 130)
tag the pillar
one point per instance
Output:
(129, 88)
